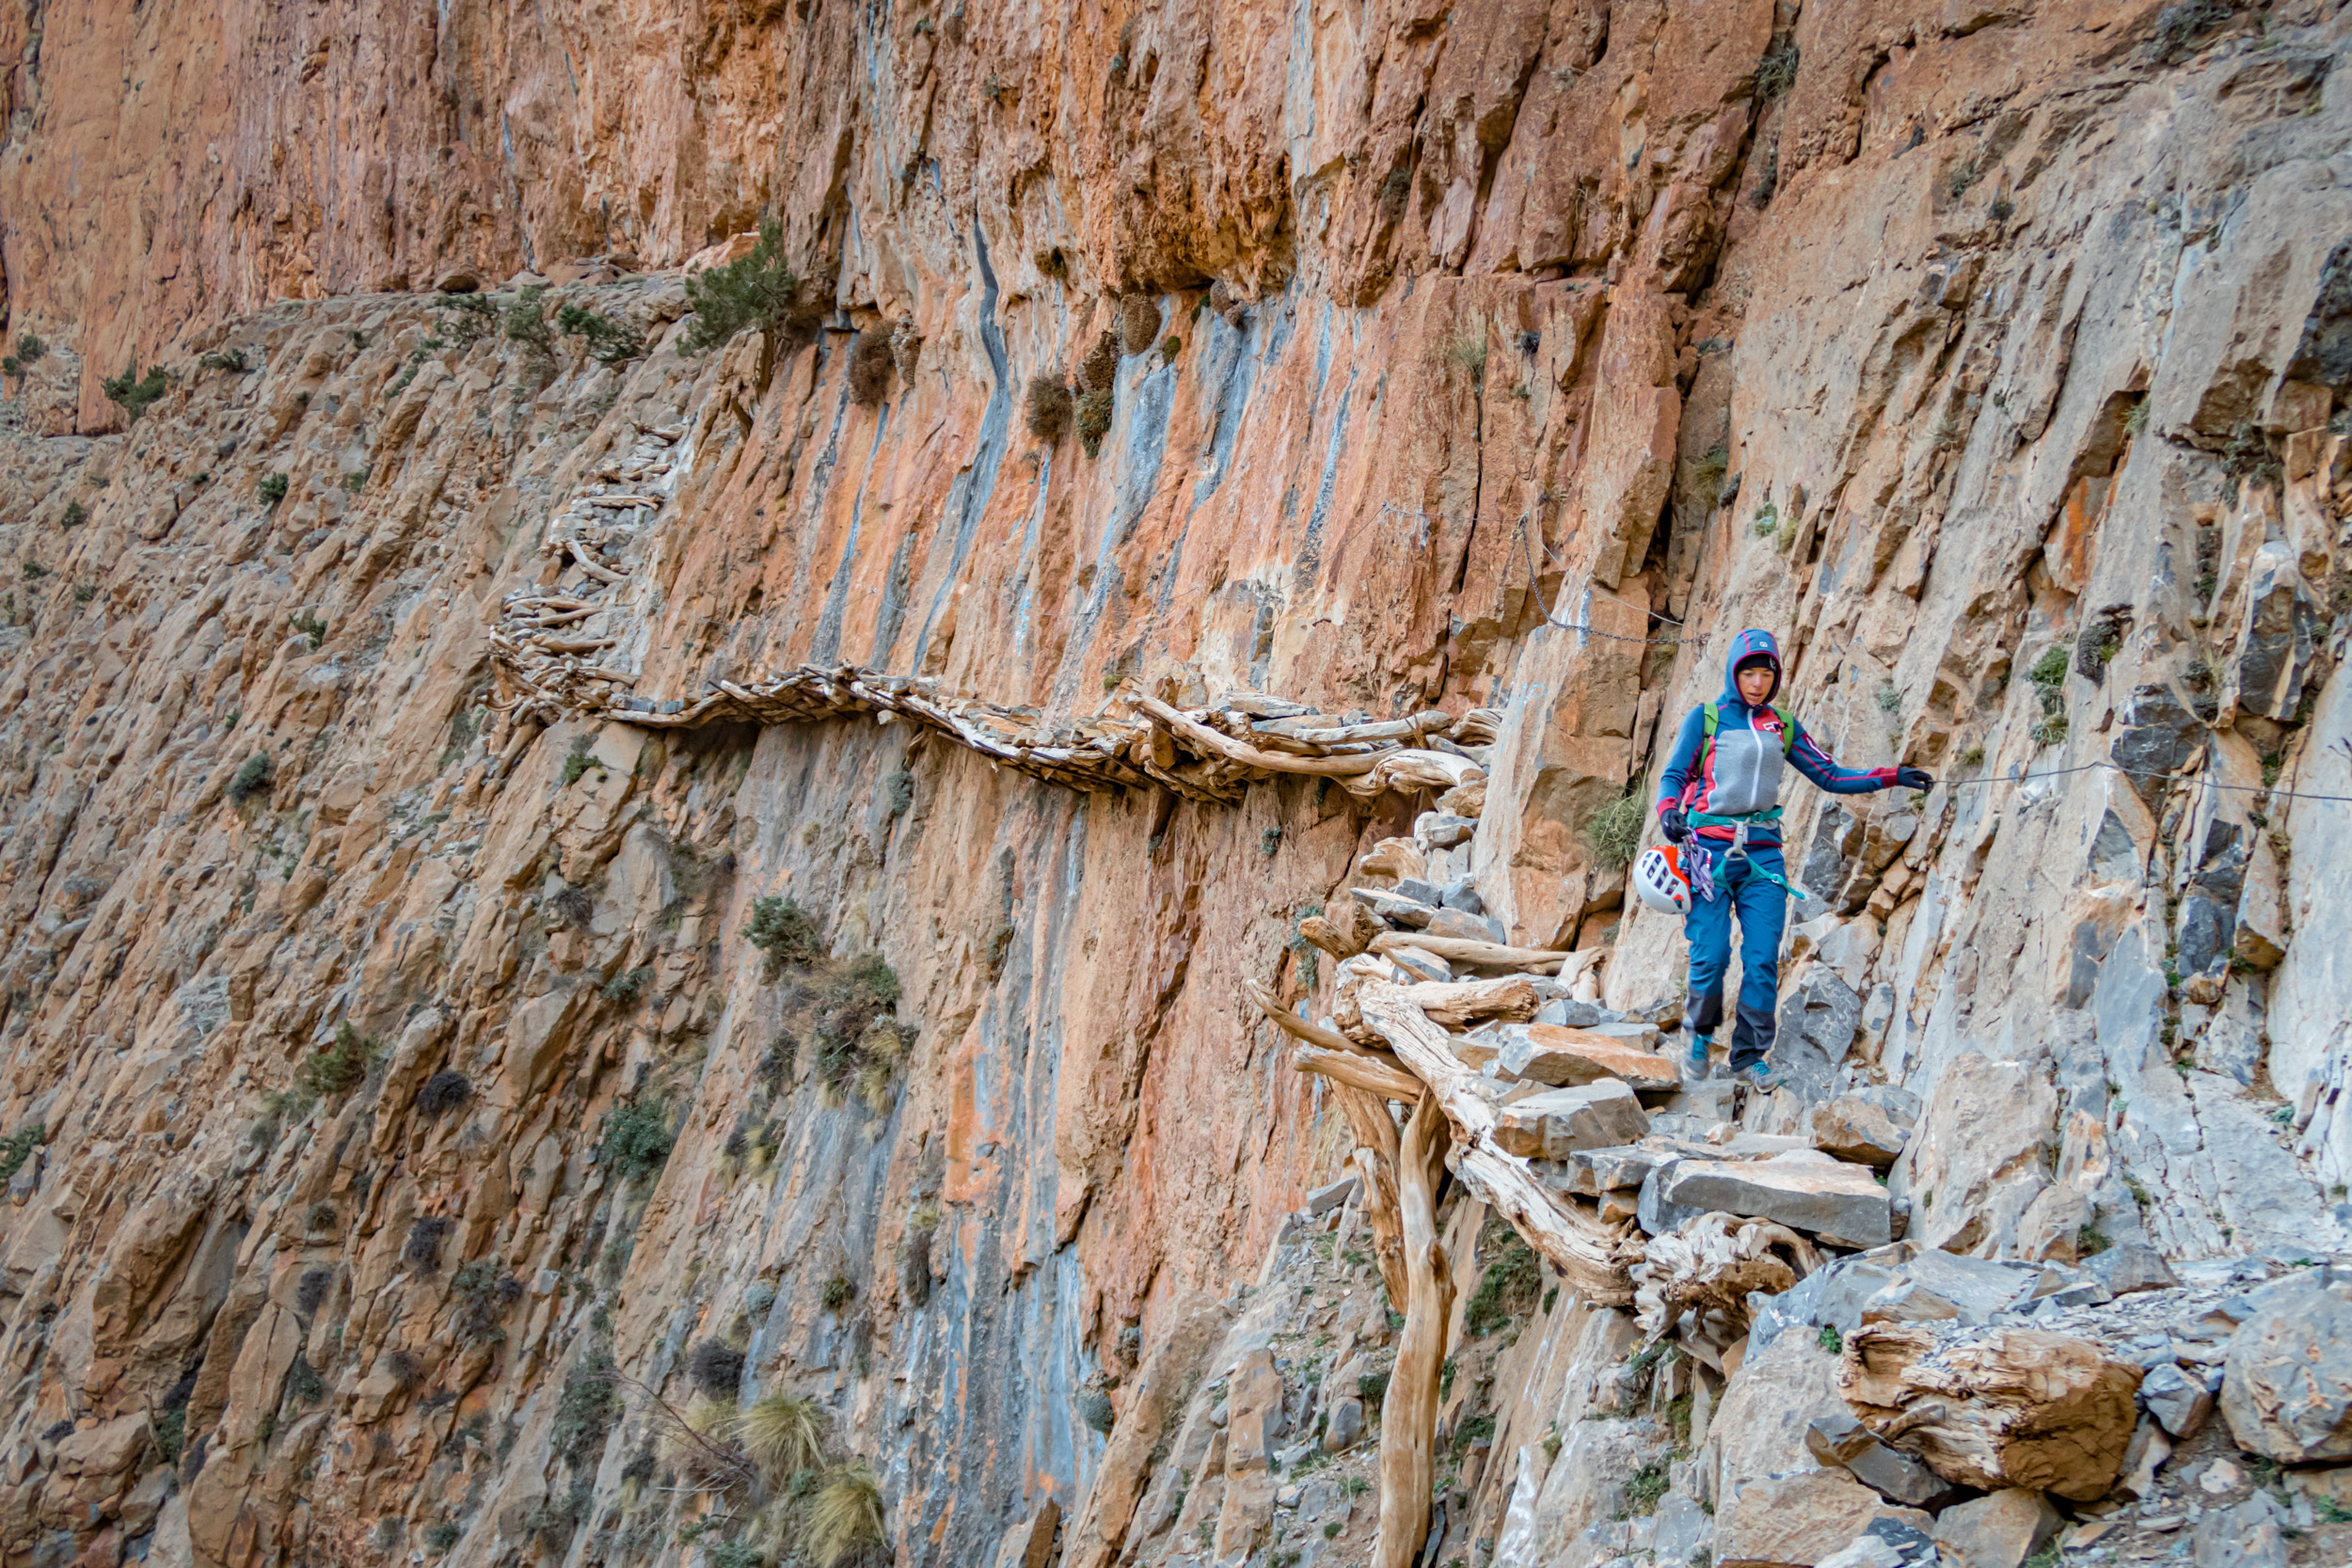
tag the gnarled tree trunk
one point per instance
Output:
(1408, 1416)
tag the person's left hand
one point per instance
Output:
(1914, 778)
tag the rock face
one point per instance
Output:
(1800, 1518)
(2287, 1388)
(398, 1058)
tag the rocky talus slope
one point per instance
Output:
(611, 952)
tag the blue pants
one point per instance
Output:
(1763, 908)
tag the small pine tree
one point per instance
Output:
(526, 321)
(754, 292)
(134, 393)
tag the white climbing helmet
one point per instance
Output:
(1658, 881)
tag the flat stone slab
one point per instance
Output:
(1558, 1122)
(1549, 1054)
(1941, 1285)
(1591, 1172)
(1393, 908)
(1851, 1128)
(1804, 1190)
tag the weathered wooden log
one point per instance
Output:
(1223, 746)
(1408, 1414)
(1455, 1004)
(1469, 950)
(1432, 723)
(1358, 1070)
(1333, 1054)
(1709, 1264)
(1587, 1253)
(596, 569)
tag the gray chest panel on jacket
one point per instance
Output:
(1747, 772)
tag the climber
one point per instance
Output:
(1719, 801)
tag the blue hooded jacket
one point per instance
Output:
(1735, 774)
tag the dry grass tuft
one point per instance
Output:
(784, 1435)
(845, 1519)
(1139, 323)
(1047, 407)
(870, 367)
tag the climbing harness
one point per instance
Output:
(1738, 849)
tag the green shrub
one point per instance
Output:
(487, 1291)
(1767, 521)
(1646, 1488)
(1095, 411)
(838, 1293)
(1777, 72)
(525, 321)
(170, 1429)
(303, 1385)
(18, 1146)
(1508, 1287)
(579, 760)
(253, 778)
(636, 1141)
(785, 931)
(30, 350)
(733, 1554)
(1615, 831)
(2050, 668)
(1830, 1339)
(272, 489)
(1096, 1410)
(1373, 1387)
(1171, 346)
(74, 516)
(231, 360)
(602, 339)
(586, 1410)
(626, 986)
(341, 1066)
(753, 293)
(310, 625)
(134, 393)
(440, 1537)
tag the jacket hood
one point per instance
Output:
(1746, 644)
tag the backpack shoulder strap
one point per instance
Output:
(1787, 731)
(1707, 712)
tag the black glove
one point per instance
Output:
(1676, 826)
(1913, 778)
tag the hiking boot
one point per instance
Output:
(1695, 1062)
(1761, 1076)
